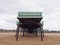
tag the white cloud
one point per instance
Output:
(52, 21)
(5, 24)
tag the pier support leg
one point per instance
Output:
(41, 34)
(36, 33)
(17, 32)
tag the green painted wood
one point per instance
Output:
(29, 14)
(17, 22)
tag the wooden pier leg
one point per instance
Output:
(36, 33)
(17, 32)
(42, 31)
(20, 31)
(41, 34)
(23, 31)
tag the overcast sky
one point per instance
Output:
(50, 8)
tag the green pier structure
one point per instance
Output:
(30, 21)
